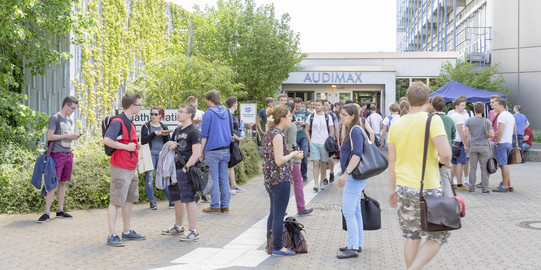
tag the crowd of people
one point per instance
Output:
(294, 131)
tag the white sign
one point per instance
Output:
(170, 120)
(248, 113)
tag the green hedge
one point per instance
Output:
(89, 187)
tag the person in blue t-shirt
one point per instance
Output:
(522, 123)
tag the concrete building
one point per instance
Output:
(488, 32)
(363, 77)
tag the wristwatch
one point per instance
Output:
(348, 171)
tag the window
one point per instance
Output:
(402, 85)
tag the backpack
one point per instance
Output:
(105, 125)
(198, 176)
(292, 237)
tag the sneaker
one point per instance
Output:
(238, 189)
(62, 214)
(153, 206)
(325, 182)
(44, 218)
(316, 188)
(510, 188)
(322, 187)
(348, 253)
(288, 252)
(486, 191)
(211, 210)
(114, 240)
(132, 235)
(173, 230)
(479, 185)
(190, 235)
(305, 178)
(345, 248)
(171, 205)
(331, 177)
(306, 212)
(232, 191)
(501, 189)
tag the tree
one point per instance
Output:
(29, 34)
(168, 83)
(465, 73)
(261, 49)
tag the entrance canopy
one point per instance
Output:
(453, 89)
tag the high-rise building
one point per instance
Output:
(486, 32)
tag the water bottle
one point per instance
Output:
(241, 129)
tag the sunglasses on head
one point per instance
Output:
(154, 114)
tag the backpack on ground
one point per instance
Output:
(292, 237)
(105, 122)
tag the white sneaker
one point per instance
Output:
(316, 188)
(174, 230)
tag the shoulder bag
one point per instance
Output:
(371, 213)
(234, 148)
(492, 164)
(515, 156)
(438, 213)
(373, 161)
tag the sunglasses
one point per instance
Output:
(154, 114)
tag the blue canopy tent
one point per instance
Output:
(453, 89)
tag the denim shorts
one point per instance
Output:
(181, 191)
(318, 152)
(461, 158)
(409, 214)
(501, 153)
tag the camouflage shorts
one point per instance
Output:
(409, 214)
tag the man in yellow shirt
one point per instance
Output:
(406, 145)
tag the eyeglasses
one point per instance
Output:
(73, 108)
(154, 114)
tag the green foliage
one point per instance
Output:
(249, 167)
(465, 73)
(261, 49)
(18, 122)
(536, 133)
(169, 82)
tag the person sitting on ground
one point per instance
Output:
(277, 174)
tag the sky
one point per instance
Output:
(334, 25)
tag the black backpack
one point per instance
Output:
(105, 125)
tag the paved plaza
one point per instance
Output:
(491, 237)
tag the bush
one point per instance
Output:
(249, 167)
(89, 187)
(536, 133)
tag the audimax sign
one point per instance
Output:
(333, 77)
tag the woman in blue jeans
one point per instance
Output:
(156, 134)
(277, 174)
(351, 198)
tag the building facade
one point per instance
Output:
(363, 77)
(487, 32)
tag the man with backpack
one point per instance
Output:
(121, 136)
(187, 145)
(318, 128)
(60, 135)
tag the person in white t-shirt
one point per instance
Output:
(388, 121)
(375, 119)
(459, 153)
(198, 117)
(319, 126)
(503, 144)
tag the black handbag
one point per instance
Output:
(438, 213)
(234, 149)
(373, 161)
(492, 164)
(371, 212)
